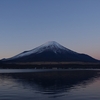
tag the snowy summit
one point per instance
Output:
(50, 45)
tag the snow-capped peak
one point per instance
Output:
(50, 45)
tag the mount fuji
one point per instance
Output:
(50, 52)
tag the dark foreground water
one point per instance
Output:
(49, 85)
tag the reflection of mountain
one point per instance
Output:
(52, 82)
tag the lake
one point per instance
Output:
(53, 84)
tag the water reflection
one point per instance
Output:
(56, 82)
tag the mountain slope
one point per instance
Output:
(50, 52)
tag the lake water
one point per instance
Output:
(49, 84)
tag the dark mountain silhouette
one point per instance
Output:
(50, 52)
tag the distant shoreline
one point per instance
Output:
(51, 65)
(42, 70)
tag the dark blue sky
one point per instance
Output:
(26, 24)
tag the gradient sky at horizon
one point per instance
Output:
(26, 24)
